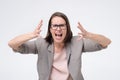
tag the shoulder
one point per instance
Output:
(76, 41)
(41, 41)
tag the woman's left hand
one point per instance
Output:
(83, 33)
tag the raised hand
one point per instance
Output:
(83, 32)
(19, 40)
(37, 30)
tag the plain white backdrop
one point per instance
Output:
(97, 16)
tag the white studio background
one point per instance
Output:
(97, 16)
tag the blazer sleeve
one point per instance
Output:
(91, 45)
(30, 47)
(27, 48)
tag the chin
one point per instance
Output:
(58, 41)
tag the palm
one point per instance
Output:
(37, 30)
(83, 31)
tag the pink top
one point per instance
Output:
(59, 68)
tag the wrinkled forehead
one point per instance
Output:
(58, 20)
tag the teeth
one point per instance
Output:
(58, 34)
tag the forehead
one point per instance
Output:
(57, 20)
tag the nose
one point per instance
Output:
(58, 28)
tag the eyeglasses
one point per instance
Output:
(61, 26)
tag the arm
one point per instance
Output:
(16, 42)
(102, 40)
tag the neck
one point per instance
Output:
(58, 47)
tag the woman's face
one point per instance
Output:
(58, 29)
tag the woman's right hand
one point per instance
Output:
(18, 40)
(36, 32)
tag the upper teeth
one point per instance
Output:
(58, 34)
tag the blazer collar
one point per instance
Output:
(51, 48)
(68, 52)
(51, 52)
(68, 49)
(50, 56)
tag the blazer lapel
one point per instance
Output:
(50, 55)
(68, 53)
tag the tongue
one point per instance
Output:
(58, 37)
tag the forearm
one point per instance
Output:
(104, 41)
(19, 40)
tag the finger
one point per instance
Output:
(80, 27)
(37, 33)
(41, 21)
(37, 29)
(40, 24)
(80, 36)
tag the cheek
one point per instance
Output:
(65, 32)
(51, 31)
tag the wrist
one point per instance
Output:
(31, 35)
(89, 35)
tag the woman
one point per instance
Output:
(59, 53)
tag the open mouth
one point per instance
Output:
(58, 35)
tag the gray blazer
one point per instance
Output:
(45, 53)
